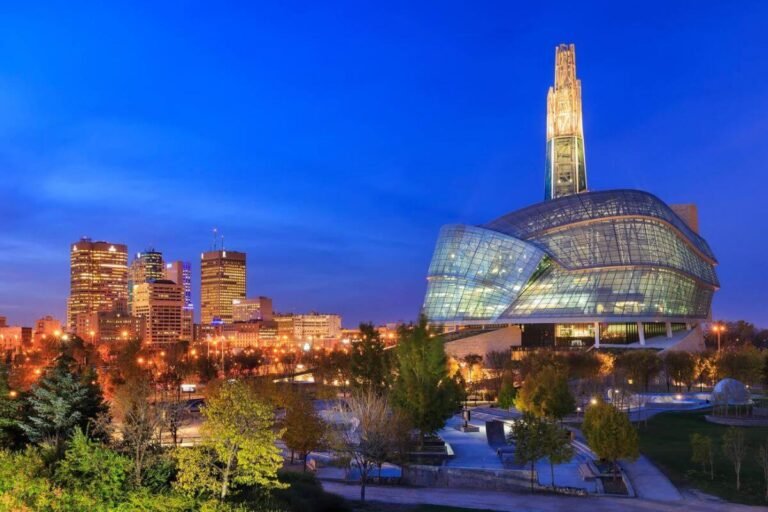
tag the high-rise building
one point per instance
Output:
(566, 171)
(252, 310)
(160, 304)
(222, 280)
(146, 266)
(180, 272)
(98, 278)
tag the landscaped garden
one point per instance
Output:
(666, 440)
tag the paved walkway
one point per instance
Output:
(470, 449)
(649, 482)
(507, 502)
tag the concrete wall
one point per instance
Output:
(465, 478)
(692, 342)
(498, 340)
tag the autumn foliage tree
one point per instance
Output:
(610, 434)
(304, 430)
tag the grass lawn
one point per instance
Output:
(666, 441)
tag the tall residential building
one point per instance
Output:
(222, 280)
(251, 310)
(98, 278)
(146, 266)
(180, 272)
(566, 171)
(160, 304)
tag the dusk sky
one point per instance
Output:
(330, 141)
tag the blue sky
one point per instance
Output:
(330, 141)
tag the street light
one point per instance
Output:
(719, 329)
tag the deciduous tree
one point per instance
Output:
(238, 445)
(424, 391)
(610, 434)
(304, 429)
(545, 394)
(735, 450)
(702, 453)
(529, 436)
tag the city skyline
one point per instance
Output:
(333, 173)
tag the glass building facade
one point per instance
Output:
(620, 255)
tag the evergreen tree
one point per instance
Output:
(10, 413)
(62, 401)
(370, 366)
(424, 391)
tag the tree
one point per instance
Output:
(10, 413)
(238, 446)
(497, 363)
(424, 391)
(742, 363)
(702, 453)
(639, 365)
(545, 394)
(762, 460)
(367, 437)
(705, 367)
(735, 449)
(557, 446)
(469, 361)
(529, 436)
(59, 404)
(610, 434)
(507, 394)
(370, 366)
(94, 470)
(680, 367)
(140, 421)
(304, 429)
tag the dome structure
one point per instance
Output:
(730, 392)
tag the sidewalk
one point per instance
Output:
(506, 502)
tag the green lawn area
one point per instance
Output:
(666, 441)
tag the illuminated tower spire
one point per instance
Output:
(566, 170)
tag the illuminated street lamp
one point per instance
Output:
(719, 329)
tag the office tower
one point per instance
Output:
(689, 213)
(180, 272)
(159, 304)
(251, 310)
(566, 169)
(146, 266)
(222, 280)
(108, 326)
(98, 278)
(308, 327)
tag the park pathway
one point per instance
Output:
(507, 502)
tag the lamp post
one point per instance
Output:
(719, 329)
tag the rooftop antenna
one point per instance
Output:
(222, 242)
(215, 231)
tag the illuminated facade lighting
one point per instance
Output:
(98, 278)
(222, 280)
